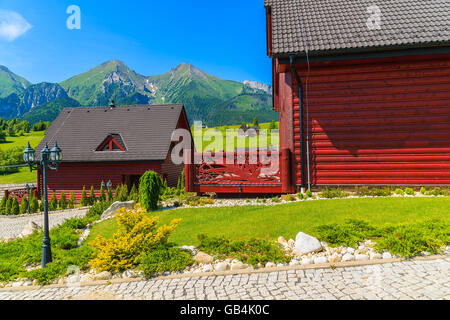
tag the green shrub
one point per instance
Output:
(439, 192)
(349, 233)
(97, 209)
(276, 199)
(53, 203)
(399, 191)
(409, 191)
(3, 206)
(63, 201)
(333, 193)
(150, 190)
(24, 205)
(252, 252)
(121, 193)
(109, 195)
(309, 194)
(134, 194)
(72, 201)
(8, 205)
(423, 191)
(411, 239)
(300, 196)
(41, 205)
(92, 198)
(289, 197)
(373, 192)
(15, 208)
(84, 200)
(102, 195)
(165, 258)
(34, 204)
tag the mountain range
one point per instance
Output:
(206, 97)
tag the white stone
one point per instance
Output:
(320, 260)
(348, 257)
(270, 265)
(202, 257)
(128, 274)
(29, 229)
(17, 284)
(334, 258)
(105, 275)
(27, 283)
(222, 266)
(73, 278)
(291, 243)
(350, 250)
(305, 243)
(282, 240)
(208, 268)
(386, 255)
(238, 266)
(294, 262)
(111, 211)
(375, 255)
(306, 261)
(361, 257)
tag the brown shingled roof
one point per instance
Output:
(145, 130)
(335, 25)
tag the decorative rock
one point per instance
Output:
(111, 211)
(29, 229)
(291, 243)
(294, 262)
(17, 284)
(222, 266)
(27, 283)
(320, 260)
(238, 266)
(73, 279)
(375, 255)
(348, 257)
(208, 268)
(128, 274)
(350, 250)
(282, 240)
(202, 257)
(105, 275)
(305, 244)
(361, 257)
(386, 255)
(306, 261)
(334, 258)
(270, 265)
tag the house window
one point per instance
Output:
(113, 142)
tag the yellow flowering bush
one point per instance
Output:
(137, 235)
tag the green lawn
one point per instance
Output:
(270, 222)
(24, 174)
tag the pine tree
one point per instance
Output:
(109, 195)
(41, 205)
(255, 122)
(92, 199)
(24, 206)
(34, 204)
(72, 201)
(53, 204)
(123, 195)
(134, 195)
(62, 201)
(8, 206)
(102, 196)
(15, 209)
(84, 200)
(183, 180)
(3, 206)
(117, 193)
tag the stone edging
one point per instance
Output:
(41, 213)
(229, 272)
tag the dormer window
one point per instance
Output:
(113, 142)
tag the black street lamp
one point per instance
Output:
(109, 184)
(49, 159)
(29, 188)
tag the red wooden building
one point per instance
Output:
(363, 94)
(116, 144)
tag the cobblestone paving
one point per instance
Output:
(12, 227)
(399, 280)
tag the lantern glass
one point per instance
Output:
(29, 155)
(56, 154)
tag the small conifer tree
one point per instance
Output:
(84, 200)
(62, 201)
(53, 203)
(92, 198)
(72, 201)
(24, 205)
(15, 208)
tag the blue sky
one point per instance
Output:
(223, 38)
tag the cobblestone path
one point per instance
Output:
(415, 279)
(11, 227)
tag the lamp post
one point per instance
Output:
(28, 187)
(49, 159)
(109, 184)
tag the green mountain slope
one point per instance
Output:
(50, 110)
(11, 83)
(110, 80)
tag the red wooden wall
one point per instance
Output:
(382, 121)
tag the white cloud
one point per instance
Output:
(12, 25)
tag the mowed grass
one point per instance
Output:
(21, 141)
(24, 174)
(270, 222)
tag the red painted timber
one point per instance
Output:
(382, 121)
